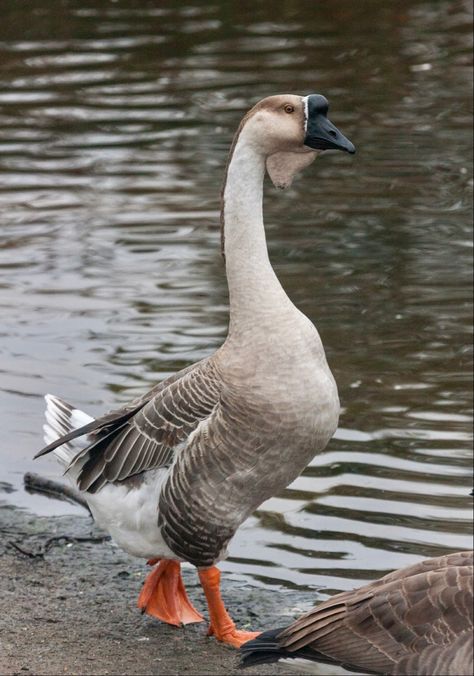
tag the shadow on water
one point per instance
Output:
(115, 121)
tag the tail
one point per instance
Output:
(267, 649)
(263, 650)
(62, 418)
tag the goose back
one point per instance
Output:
(417, 620)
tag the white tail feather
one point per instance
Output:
(62, 418)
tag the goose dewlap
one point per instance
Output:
(282, 167)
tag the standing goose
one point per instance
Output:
(173, 474)
(417, 620)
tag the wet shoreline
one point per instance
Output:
(68, 607)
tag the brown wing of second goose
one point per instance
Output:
(417, 620)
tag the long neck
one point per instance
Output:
(254, 290)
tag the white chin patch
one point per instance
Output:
(282, 167)
(305, 108)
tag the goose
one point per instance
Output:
(173, 474)
(416, 620)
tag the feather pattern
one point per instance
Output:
(148, 439)
(61, 417)
(417, 620)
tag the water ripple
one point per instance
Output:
(115, 121)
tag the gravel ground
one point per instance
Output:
(67, 606)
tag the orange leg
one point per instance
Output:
(222, 626)
(163, 595)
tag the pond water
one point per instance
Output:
(115, 122)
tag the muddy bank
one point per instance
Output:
(67, 606)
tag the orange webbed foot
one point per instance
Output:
(233, 636)
(164, 596)
(222, 625)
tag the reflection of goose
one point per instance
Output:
(173, 474)
(417, 620)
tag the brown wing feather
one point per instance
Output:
(145, 434)
(107, 424)
(150, 437)
(414, 619)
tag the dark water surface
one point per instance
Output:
(115, 121)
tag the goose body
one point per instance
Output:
(416, 620)
(173, 474)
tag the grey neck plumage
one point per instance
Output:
(254, 290)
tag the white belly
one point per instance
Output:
(131, 516)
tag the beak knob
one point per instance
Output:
(320, 133)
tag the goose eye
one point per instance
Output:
(289, 108)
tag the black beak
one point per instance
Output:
(321, 134)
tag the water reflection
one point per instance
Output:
(115, 120)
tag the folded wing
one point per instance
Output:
(146, 433)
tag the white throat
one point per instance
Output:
(254, 291)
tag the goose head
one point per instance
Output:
(292, 131)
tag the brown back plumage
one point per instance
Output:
(417, 620)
